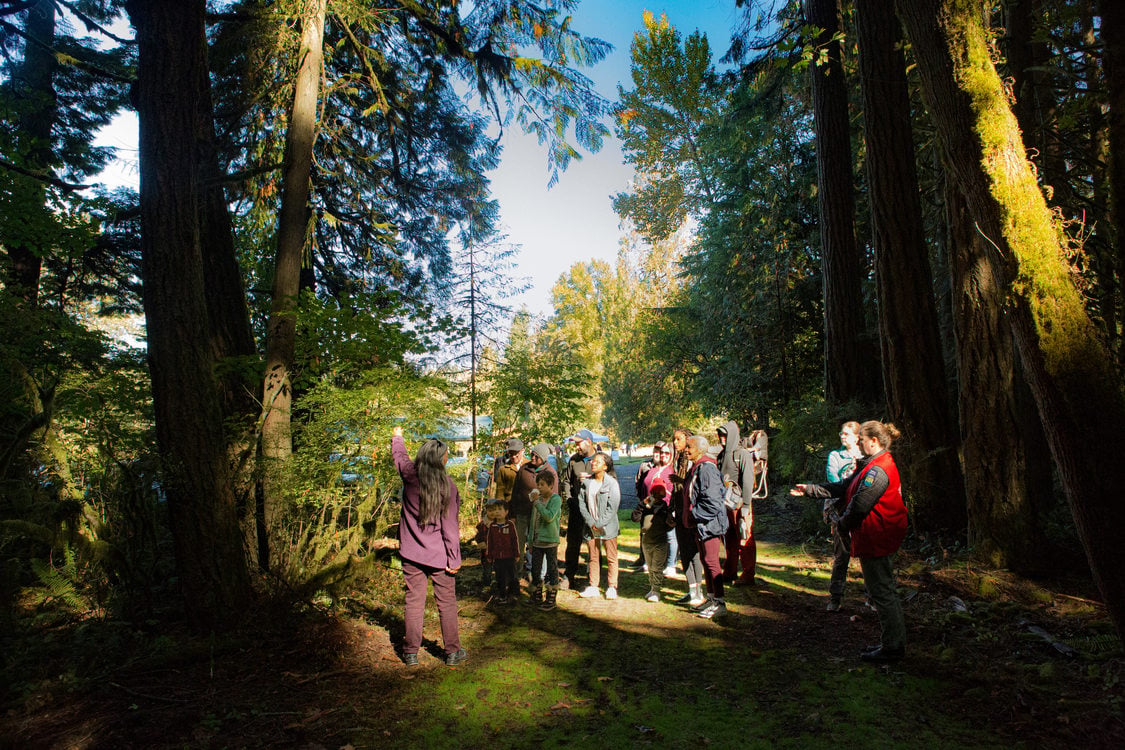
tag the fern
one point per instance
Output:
(61, 584)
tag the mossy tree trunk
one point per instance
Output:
(171, 77)
(913, 365)
(1006, 462)
(1068, 367)
(847, 374)
(292, 231)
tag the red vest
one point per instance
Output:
(884, 528)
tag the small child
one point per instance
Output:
(654, 536)
(502, 547)
(481, 539)
(546, 510)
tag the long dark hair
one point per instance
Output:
(433, 482)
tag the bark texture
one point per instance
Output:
(914, 375)
(1007, 465)
(1067, 365)
(846, 378)
(172, 65)
(281, 335)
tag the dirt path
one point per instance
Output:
(777, 671)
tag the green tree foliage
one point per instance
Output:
(661, 123)
(540, 389)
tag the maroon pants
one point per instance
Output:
(446, 596)
(739, 550)
(712, 568)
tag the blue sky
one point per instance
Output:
(574, 221)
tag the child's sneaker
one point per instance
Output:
(611, 593)
(652, 596)
(590, 592)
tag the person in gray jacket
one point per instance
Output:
(598, 503)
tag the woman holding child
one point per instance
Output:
(598, 503)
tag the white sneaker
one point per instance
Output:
(696, 602)
(670, 571)
(590, 592)
(652, 596)
(611, 593)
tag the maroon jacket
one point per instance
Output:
(501, 542)
(432, 545)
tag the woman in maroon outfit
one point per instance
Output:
(429, 543)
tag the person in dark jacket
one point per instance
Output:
(737, 467)
(429, 543)
(704, 502)
(684, 526)
(871, 511)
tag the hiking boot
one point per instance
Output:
(611, 593)
(410, 660)
(590, 592)
(549, 602)
(535, 596)
(457, 657)
(834, 604)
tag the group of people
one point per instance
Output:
(692, 501)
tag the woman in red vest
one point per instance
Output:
(870, 509)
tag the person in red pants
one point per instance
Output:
(703, 487)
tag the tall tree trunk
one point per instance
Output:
(172, 65)
(33, 88)
(1113, 37)
(913, 366)
(846, 374)
(281, 334)
(1068, 367)
(1007, 468)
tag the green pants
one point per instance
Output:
(879, 577)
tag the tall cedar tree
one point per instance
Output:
(847, 368)
(913, 363)
(173, 108)
(1113, 37)
(1068, 367)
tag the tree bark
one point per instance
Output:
(913, 366)
(1068, 368)
(1113, 37)
(172, 67)
(847, 375)
(1006, 463)
(281, 334)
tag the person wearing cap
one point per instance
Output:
(577, 469)
(505, 470)
(521, 503)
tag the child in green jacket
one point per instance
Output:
(544, 541)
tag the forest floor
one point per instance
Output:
(993, 660)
